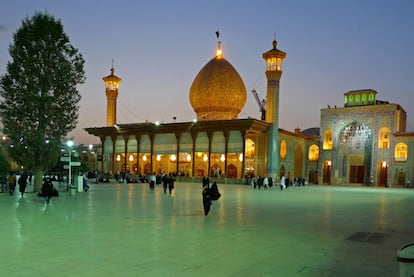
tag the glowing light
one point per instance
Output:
(241, 157)
(205, 158)
(222, 158)
(188, 157)
(118, 158)
(329, 163)
(384, 164)
(158, 158)
(219, 53)
(173, 158)
(131, 158)
(144, 158)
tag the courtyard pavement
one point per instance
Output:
(128, 230)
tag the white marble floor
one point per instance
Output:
(127, 230)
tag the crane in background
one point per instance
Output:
(262, 104)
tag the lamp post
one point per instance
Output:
(69, 143)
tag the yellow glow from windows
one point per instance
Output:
(327, 139)
(283, 149)
(384, 137)
(400, 153)
(313, 153)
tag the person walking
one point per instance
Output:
(171, 181)
(283, 183)
(12, 182)
(206, 181)
(23, 183)
(206, 199)
(265, 182)
(152, 180)
(214, 192)
(47, 189)
(165, 182)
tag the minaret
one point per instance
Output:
(273, 58)
(111, 83)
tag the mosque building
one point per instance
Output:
(364, 142)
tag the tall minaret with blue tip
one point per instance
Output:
(274, 59)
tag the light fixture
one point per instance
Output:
(69, 143)
(173, 158)
(144, 158)
(222, 158)
(118, 158)
(384, 164)
(158, 157)
(241, 157)
(205, 158)
(131, 158)
(188, 157)
(329, 163)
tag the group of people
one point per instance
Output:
(259, 182)
(167, 180)
(23, 180)
(209, 194)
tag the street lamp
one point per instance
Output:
(69, 144)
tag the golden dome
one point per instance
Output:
(217, 92)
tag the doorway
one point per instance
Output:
(356, 174)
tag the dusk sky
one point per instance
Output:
(158, 47)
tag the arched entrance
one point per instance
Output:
(231, 171)
(355, 153)
(282, 171)
(327, 169)
(382, 169)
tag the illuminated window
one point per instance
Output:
(371, 98)
(351, 100)
(384, 137)
(364, 99)
(357, 99)
(283, 149)
(313, 152)
(400, 153)
(327, 139)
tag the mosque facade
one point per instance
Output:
(363, 142)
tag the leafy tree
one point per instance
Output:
(40, 101)
(4, 163)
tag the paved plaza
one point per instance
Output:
(128, 230)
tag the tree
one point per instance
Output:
(40, 101)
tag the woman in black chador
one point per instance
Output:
(47, 189)
(214, 192)
(206, 199)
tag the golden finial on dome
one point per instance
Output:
(219, 53)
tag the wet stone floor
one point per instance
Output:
(129, 230)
